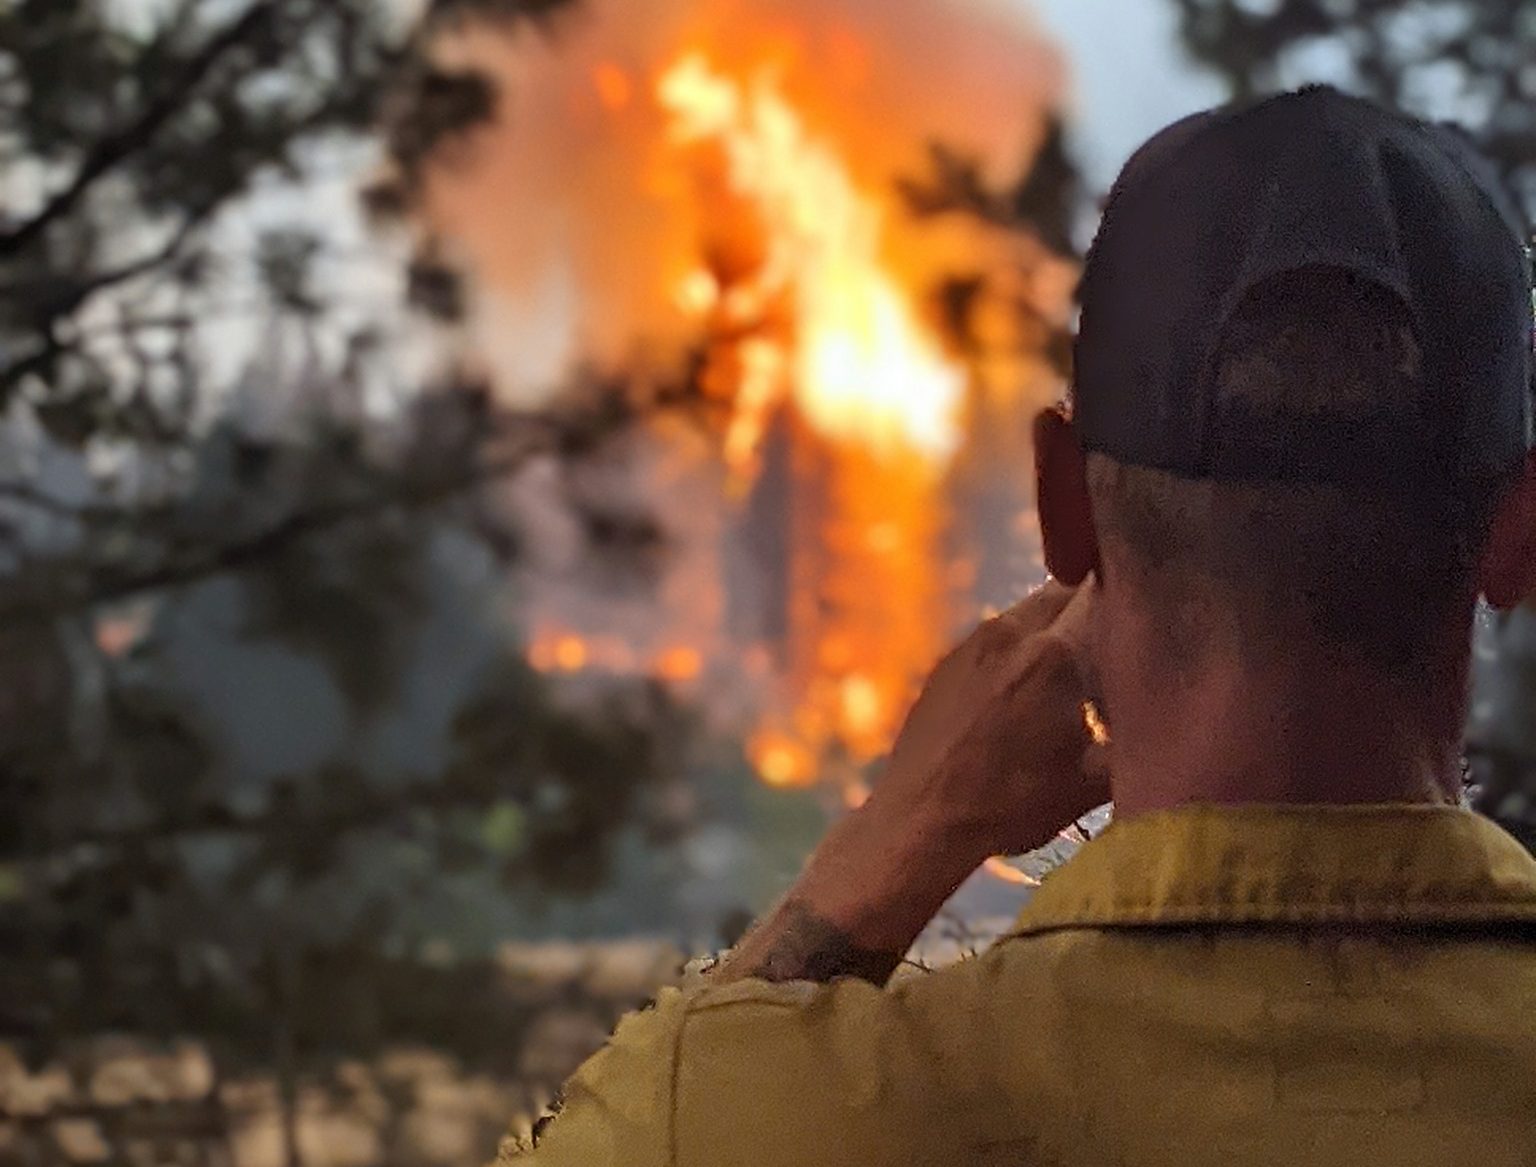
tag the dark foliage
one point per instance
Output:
(1468, 60)
(146, 882)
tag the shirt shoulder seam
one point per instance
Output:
(674, 1073)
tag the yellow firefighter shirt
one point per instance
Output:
(1297, 986)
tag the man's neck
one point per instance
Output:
(1302, 735)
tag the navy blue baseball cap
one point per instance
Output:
(1225, 200)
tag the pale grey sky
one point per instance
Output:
(1129, 75)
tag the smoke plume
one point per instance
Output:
(579, 232)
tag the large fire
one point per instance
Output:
(719, 176)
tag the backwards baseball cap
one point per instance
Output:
(1226, 200)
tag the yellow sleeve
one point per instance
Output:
(616, 1110)
(750, 1073)
(798, 1075)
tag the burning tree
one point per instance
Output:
(801, 311)
(867, 324)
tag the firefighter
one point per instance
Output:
(1297, 456)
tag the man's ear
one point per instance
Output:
(1067, 532)
(1509, 562)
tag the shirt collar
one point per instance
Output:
(1400, 864)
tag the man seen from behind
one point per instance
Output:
(1299, 453)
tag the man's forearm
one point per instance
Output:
(795, 942)
(856, 909)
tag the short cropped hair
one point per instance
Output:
(1375, 573)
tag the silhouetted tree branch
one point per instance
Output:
(140, 132)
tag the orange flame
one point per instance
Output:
(566, 652)
(1094, 720)
(614, 88)
(860, 368)
(782, 761)
(1008, 873)
(560, 653)
(679, 663)
(809, 319)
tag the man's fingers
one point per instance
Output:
(1071, 626)
(1003, 651)
(1040, 609)
(1032, 615)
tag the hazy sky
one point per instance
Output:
(1129, 75)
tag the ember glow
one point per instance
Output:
(568, 652)
(1094, 720)
(1000, 868)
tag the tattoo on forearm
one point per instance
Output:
(802, 946)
